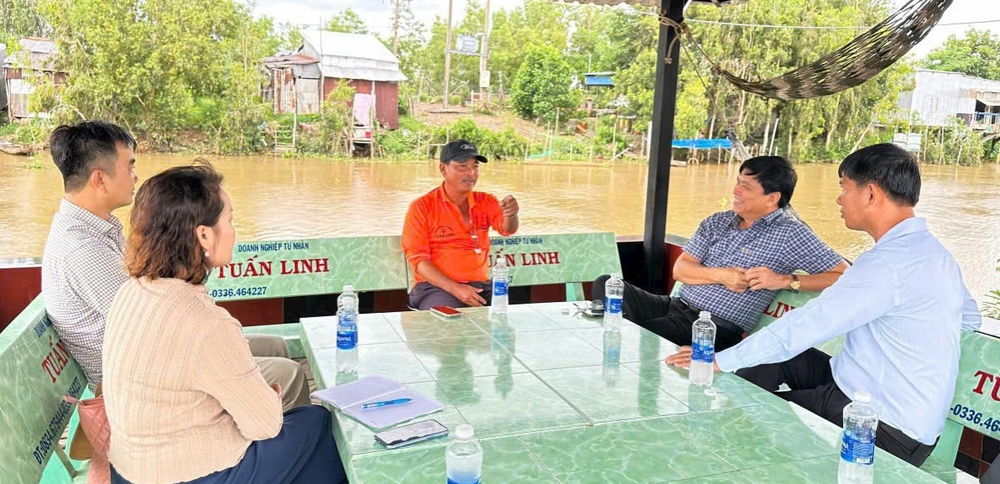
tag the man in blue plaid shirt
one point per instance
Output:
(737, 261)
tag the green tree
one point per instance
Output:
(411, 40)
(20, 18)
(145, 63)
(824, 128)
(429, 61)
(977, 54)
(291, 37)
(243, 112)
(335, 118)
(347, 21)
(542, 85)
(514, 33)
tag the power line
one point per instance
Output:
(970, 23)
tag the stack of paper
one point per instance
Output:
(351, 396)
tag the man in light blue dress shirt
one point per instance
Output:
(901, 307)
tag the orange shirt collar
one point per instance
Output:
(444, 196)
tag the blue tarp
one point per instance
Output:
(595, 80)
(702, 144)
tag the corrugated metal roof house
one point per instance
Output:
(940, 96)
(361, 60)
(294, 83)
(36, 57)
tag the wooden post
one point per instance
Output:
(483, 53)
(447, 59)
(295, 112)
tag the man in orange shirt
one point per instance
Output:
(446, 233)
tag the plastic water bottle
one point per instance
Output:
(614, 289)
(464, 457)
(702, 350)
(501, 281)
(857, 448)
(347, 331)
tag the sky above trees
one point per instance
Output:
(377, 14)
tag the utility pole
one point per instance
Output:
(447, 58)
(395, 26)
(484, 54)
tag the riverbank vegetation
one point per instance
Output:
(188, 76)
(991, 306)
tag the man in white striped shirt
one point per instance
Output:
(83, 264)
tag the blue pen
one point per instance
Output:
(398, 401)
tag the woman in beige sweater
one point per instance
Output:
(185, 400)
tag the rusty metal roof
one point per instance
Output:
(284, 59)
(38, 45)
(36, 54)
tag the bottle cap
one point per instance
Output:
(705, 315)
(862, 396)
(349, 288)
(464, 432)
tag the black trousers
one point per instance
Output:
(810, 380)
(668, 317)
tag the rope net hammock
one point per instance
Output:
(860, 60)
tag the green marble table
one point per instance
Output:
(547, 408)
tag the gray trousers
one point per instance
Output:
(271, 354)
(425, 295)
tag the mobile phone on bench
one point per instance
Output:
(411, 433)
(446, 311)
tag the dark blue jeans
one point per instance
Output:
(302, 453)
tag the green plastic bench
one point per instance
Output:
(786, 300)
(307, 267)
(37, 371)
(976, 404)
(570, 259)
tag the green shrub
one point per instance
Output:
(499, 145)
(397, 144)
(607, 134)
(33, 133)
(991, 306)
(8, 129)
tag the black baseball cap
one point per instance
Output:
(460, 150)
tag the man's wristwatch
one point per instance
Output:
(796, 283)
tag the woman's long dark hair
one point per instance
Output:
(168, 208)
